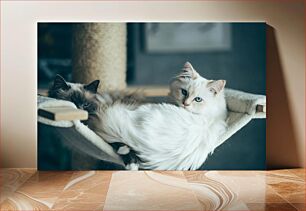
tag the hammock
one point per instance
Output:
(242, 108)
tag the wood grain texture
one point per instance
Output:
(86, 190)
(12, 179)
(153, 190)
(63, 113)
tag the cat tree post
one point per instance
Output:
(99, 52)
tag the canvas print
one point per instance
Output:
(151, 96)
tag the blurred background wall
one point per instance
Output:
(242, 63)
(285, 72)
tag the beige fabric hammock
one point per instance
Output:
(242, 108)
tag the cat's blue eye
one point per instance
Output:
(184, 92)
(198, 99)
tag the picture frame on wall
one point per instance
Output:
(175, 37)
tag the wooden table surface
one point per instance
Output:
(28, 189)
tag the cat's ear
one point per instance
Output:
(92, 87)
(60, 83)
(216, 86)
(188, 70)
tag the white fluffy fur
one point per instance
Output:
(167, 137)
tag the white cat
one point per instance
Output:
(164, 136)
(198, 95)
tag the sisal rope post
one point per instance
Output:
(99, 52)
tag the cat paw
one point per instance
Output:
(123, 150)
(132, 167)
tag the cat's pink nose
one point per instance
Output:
(186, 104)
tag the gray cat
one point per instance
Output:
(86, 97)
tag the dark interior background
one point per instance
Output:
(243, 67)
